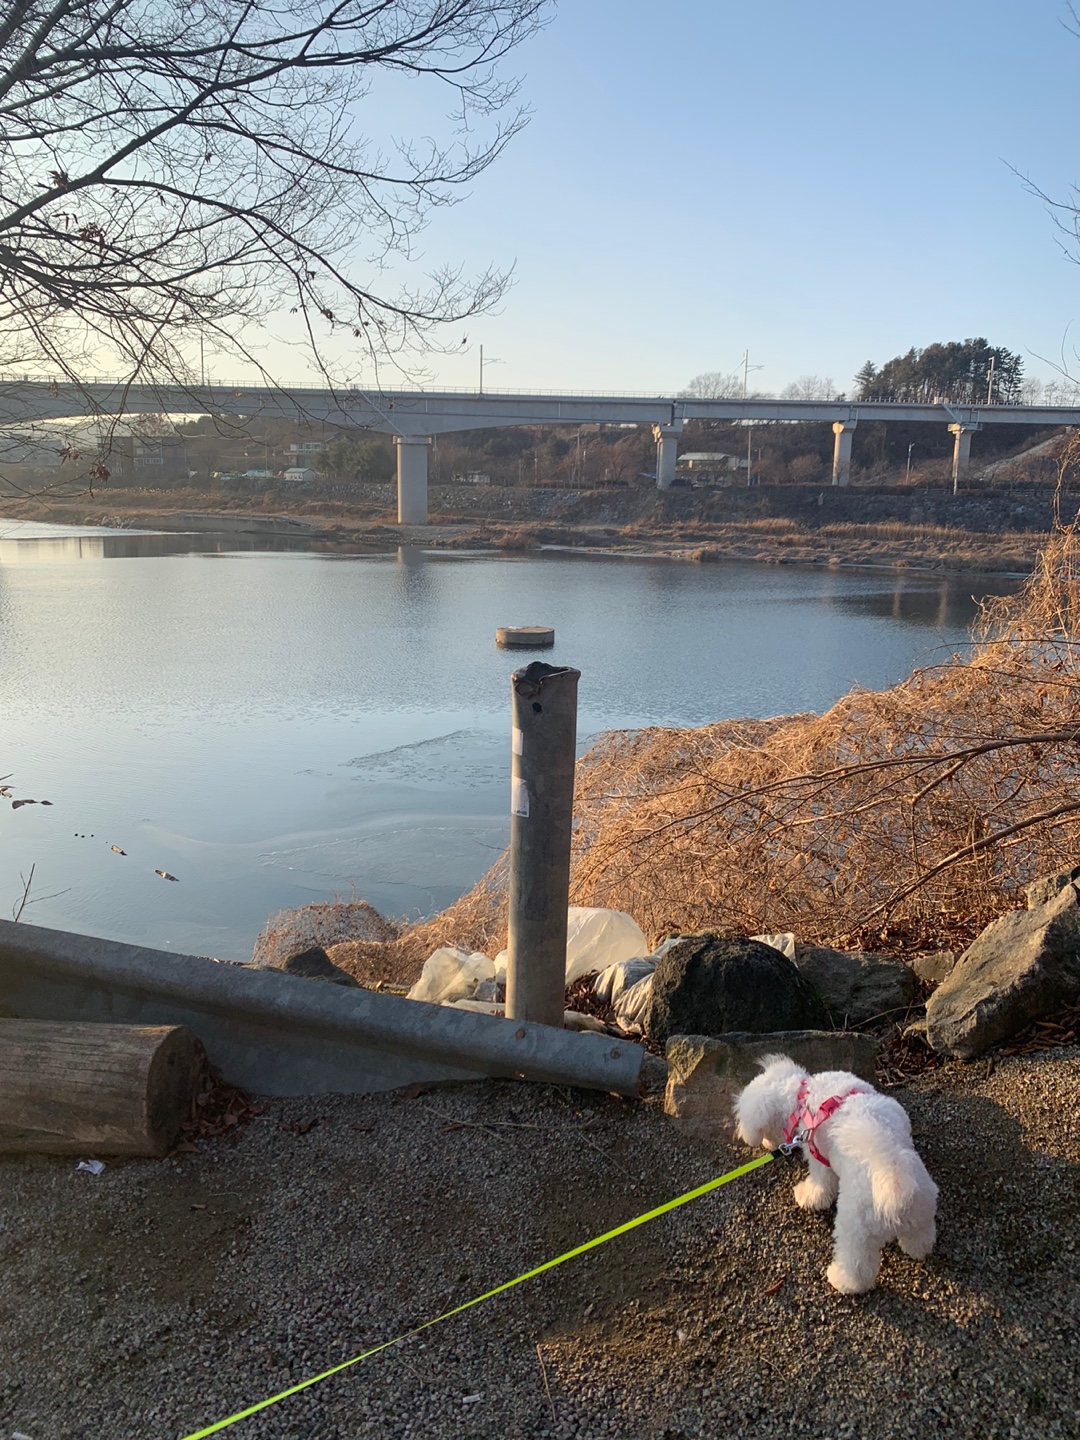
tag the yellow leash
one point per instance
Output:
(664, 1209)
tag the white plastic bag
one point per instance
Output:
(450, 974)
(632, 1007)
(784, 942)
(612, 982)
(597, 939)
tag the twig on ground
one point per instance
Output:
(547, 1387)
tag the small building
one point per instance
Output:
(299, 448)
(713, 462)
(709, 467)
(298, 475)
(474, 477)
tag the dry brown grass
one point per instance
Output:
(890, 542)
(904, 817)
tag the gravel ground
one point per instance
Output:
(163, 1295)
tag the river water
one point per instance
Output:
(276, 727)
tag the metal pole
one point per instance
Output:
(543, 702)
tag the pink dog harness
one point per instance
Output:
(802, 1122)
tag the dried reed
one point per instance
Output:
(907, 817)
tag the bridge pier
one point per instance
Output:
(412, 478)
(844, 430)
(961, 457)
(667, 450)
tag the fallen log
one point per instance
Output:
(68, 1089)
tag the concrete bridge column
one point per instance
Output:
(412, 458)
(667, 449)
(961, 457)
(844, 430)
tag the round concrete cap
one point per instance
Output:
(523, 637)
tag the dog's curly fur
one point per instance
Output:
(881, 1187)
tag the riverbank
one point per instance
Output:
(164, 1295)
(990, 532)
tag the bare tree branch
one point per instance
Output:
(171, 169)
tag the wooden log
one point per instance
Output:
(68, 1089)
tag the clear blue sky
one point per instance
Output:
(822, 184)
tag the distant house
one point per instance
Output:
(305, 447)
(474, 477)
(711, 461)
(298, 475)
(703, 467)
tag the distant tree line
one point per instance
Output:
(961, 372)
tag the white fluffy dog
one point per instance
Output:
(858, 1143)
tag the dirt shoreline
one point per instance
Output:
(893, 546)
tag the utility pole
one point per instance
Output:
(481, 369)
(990, 380)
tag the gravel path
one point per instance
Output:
(163, 1295)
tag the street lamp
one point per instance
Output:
(491, 361)
(909, 450)
(746, 368)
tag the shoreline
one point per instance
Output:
(893, 547)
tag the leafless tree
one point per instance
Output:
(810, 387)
(177, 169)
(714, 385)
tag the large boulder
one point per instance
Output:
(1021, 967)
(706, 1073)
(705, 985)
(856, 987)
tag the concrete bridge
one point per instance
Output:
(413, 417)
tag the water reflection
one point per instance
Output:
(28, 542)
(924, 600)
